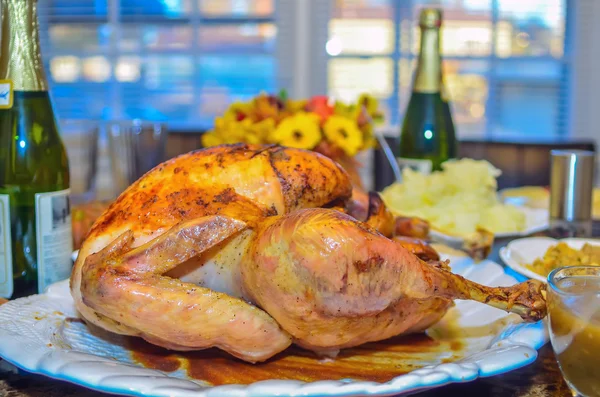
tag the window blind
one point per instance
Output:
(184, 61)
(179, 61)
(505, 62)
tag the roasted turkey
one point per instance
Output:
(252, 248)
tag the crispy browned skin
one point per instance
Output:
(131, 282)
(358, 205)
(479, 244)
(379, 217)
(231, 247)
(409, 232)
(411, 227)
(351, 285)
(241, 182)
(420, 248)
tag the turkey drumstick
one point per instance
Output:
(333, 282)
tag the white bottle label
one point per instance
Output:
(6, 94)
(419, 165)
(54, 237)
(6, 273)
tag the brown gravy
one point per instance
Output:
(575, 330)
(378, 361)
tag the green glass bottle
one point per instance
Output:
(35, 222)
(427, 138)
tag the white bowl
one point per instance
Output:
(523, 251)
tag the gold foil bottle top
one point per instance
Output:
(20, 55)
(428, 77)
(430, 18)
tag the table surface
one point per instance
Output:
(542, 378)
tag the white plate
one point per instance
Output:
(536, 220)
(38, 334)
(523, 251)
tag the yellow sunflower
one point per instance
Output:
(210, 139)
(344, 110)
(263, 129)
(299, 131)
(265, 107)
(369, 138)
(244, 131)
(370, 104)
(238, 111)
(295, 106)
(229, 130)
(344, 133)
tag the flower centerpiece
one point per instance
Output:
(336, 129)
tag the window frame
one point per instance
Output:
(399, 11)
(196, 20)
(300, 56)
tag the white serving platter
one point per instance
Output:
(41, 334)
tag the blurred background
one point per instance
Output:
(516, 70)
(183, 61)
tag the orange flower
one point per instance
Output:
(266, 107)
(320, 105)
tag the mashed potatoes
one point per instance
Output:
(455, 201)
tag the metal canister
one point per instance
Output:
(571, 190)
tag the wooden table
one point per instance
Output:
(539, 379)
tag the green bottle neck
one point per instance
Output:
(428, 77)
(20, 55)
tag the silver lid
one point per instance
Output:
(571, 184)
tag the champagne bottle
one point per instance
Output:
(35, 222)
(427, 138)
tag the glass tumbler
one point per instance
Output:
(81, 140)
(574, 314)
(135, 147)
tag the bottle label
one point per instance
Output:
(6, 94)
(420, 165)
(54, 237)
(6, 273)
